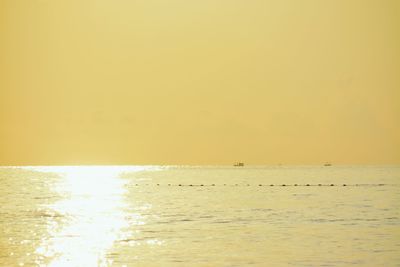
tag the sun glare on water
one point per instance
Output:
(92, 214)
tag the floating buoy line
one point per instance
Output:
(257, 185)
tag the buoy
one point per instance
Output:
(242, 185)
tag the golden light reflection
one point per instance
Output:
(88, 220)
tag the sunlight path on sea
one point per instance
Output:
(92, 217)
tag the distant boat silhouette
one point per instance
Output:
(327, 164)
(238, 164)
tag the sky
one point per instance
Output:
(199, 82)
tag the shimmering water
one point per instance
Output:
(199, 216)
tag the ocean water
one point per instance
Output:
(200, 216)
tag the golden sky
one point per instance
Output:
(199, 82)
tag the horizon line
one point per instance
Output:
(203, 165)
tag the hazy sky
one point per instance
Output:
(199, 82)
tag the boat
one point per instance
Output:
(327, 164)
(238, 164)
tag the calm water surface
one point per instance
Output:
(199, 216)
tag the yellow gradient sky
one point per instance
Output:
(199, 82)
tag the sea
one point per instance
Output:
(200, 216)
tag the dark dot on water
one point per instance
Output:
(213, 185)
(344, 184)
(201, 185)
(260, 185)
(283, 185)
(271, 185)
(307, 184)
(332, 184)
(319, 184)
(295, 184)
(179, 185)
